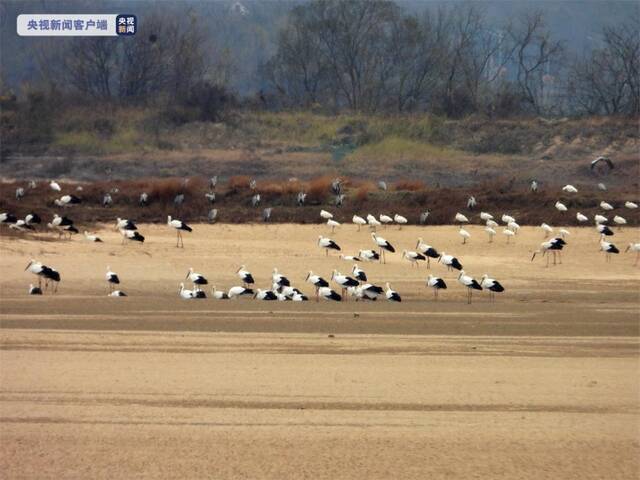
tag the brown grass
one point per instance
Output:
(320, 187)
(409, 185)
(239, 182)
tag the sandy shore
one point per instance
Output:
(542, 384)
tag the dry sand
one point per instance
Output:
(542, 384)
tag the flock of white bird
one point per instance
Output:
(356, 285)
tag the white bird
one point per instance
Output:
(608, 248)
(471, 202)
(427, 250)
(490, 232)
(344, 281)
(32, 218)
(392, 295)
(186, 294)
(125, 224)
(92, 238)
(218, 294)
(507, 219)
(450, 261)
(602, 186)
(333, 224)
(547, 229)
(327, 244)
(605, 206)
(492, 285)
(358, 273)
(369, 255)
(385, 219)
(598, 219)
(581, 218)
(67, 201)
(628, 204)
(513, 226)
(237, 291)
(107, 200)
(383, 245)
(359, 221)
(569, 189)
(131, 235)
(328, 294)
(461, 218)
(245, 276)
(280, 279)
(143, 201)
(179, 226)
(437, 284)
(196, 278)
(470, 283)
(265, 295)
(491, 224)
(112, 279)
(117, 293)
(634, 247)
(464, 234)
(604, 230)
(618, 220)
(54, 186)
(373, 221)
(534, 186)
(317, 281)
(561, 207)
(555, 245)
(413, 257)
(19, 193)
(400, 220)
(564, 233)
(326, 215)
(350, 258)
(37, 269)
(509, 234)
(486, 216)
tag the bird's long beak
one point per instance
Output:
(534, 256)
(625, 251)
(417, 243)
(187, 276)
(25, 268)
(308, 275)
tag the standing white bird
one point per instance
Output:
(332, 224)
(564, 233)
(460, 218)
(547, 229)
(464, 234)
(196, 278)
(490, 232)
(327, 244)
(604, 230)
(598, 219)
(492, 285)
(392, 295)
(569, 189)
(507, 219)
(509, 234)
(383, 245)
(581, 218)
(555, 245)
(561, 207)
(620, 221)
(606, 206)
(326, 215)
(470, 283)
(436, 283)
(450, 261)
(358, 273)
(54, 186)
(628, 204)
(279, 279)
(534, 186)
(344, 281)
(400, 220)
(486, 216)
(385, 219)
(471, 202)
(317, 281)
(608, 248)
(245, 276)
(373, 222)
(359, 221)
(413, 257)
(179, 226)
(513, 226)
(634, 247)
(491, 224)
(112, 279)
(427, 250)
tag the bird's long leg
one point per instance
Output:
(428, 262)
(326, 252)
(560, 257)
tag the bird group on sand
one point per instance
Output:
(339, 286)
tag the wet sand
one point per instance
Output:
(542, 384)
